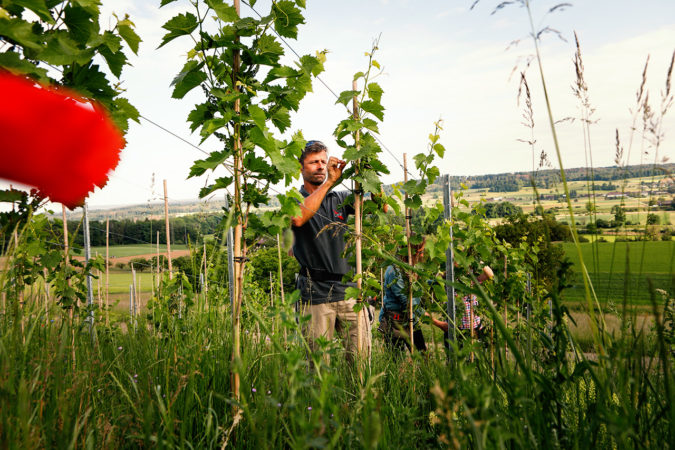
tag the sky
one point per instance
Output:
(440, 60)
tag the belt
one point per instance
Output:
(320, 275)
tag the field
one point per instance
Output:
(523, 198)
(121, 251)
(610, 273)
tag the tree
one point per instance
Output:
(603, 223)
(501, 209)
(141, 264)
(265, 261)
(241, 103)
(551, 259)
(653, 219)
(619, 215)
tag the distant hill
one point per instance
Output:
(500, 182)
(511, 182)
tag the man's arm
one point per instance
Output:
(438, 323)
(313, 201)
(310, 206)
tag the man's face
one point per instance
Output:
(314, 168)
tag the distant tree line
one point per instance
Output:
(190, 228)
(511, 182)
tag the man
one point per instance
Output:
(319, 247)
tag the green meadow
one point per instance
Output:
(620, 269)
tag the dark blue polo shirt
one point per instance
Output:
(319, 245)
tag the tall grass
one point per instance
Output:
(167, 383)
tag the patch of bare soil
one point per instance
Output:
(127, 259)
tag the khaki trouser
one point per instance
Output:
(326, 318)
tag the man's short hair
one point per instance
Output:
(312, 147)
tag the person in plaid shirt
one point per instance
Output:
(470, 304)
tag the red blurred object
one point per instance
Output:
(55, 140)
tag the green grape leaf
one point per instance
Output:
(221, 183)
(258, 115)
(214, 160)
(414, 202)
(267, 44)
(90, 82)
(346, 96)
(281, 119)
(371, 182)
(62, 50)
(373, 108)
(210, 126)
(90, 5)
(225, 12)
(190, 77)
(21, 32)
(281, 72)
(180, 25)
(12, 61)
(199, 115)
(123, 111)
(371, 125)
(115, 61)
(10, 195)
(79, 23)
(375, 92)
(39, 7)
(109, 39)
(130, 37)
(311, 64)
(287, 17)
(253, 164)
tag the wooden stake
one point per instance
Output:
(65, 267)
(206, 277)
(281, 279)
(107, 271)
(98, 290)
(138, 305)
(238, 265)
(506, 323)
(168, 233)
(47, 294)
(19, 284)
(159, 263)
(132, 307)
(131, 300)
(358, 201)
(408, 234)
(20, 288)
(281, 271)
(471, 318)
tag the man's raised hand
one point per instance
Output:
(335, 168)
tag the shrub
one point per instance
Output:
(140, 264)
